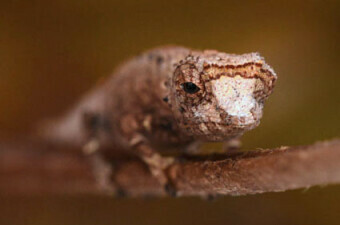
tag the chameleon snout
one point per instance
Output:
(234, 95)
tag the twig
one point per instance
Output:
(38, 168)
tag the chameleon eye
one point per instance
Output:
(190, 87)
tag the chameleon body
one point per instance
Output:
(171, 97)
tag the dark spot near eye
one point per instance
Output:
(166, 83)
(181, 109)
(165, 99)
(159, 60)
(190, 87)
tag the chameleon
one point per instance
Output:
(173, 98)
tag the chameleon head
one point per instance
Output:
(217, 96)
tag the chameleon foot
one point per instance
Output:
(157, 164)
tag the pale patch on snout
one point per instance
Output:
(235, 96)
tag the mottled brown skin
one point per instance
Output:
(145, 106)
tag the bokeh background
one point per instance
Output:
(51, 52)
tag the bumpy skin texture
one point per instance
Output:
(172, 97)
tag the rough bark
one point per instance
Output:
(28, 167)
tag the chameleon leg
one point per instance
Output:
(156, 163)
(102, 172)
(96, 127)
(139, 146)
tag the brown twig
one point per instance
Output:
(31, 168)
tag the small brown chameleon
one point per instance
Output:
(171, 98)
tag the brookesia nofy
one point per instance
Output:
(170, 97)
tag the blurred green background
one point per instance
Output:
(51, 52)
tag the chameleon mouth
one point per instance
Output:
(223, 129)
